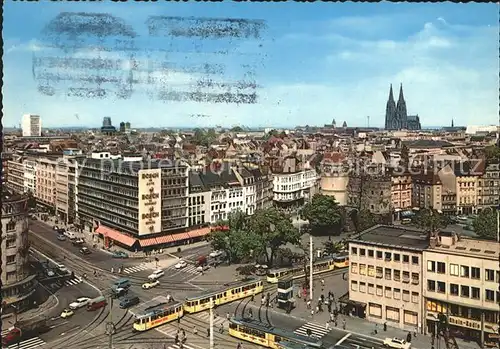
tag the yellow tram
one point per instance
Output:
(269, 336)
(320, 266)
(158, 315)
(231, 292)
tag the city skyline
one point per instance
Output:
(444, 57)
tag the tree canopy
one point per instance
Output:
(485, 224)
(430, 219)
(363, 220)
(492, 153)
(262, 234)
(324, 215)
(204, 138)
(237, 129)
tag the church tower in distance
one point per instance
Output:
(396, 115)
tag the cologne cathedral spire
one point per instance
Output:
(390, 111)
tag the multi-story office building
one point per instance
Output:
(18, 286)
(15, 179)
(46, 192)
(199, 201)
(401, 190)
(263, 187)
(461, 178)
(293, 188)
(29, 171)
(6, 157)
(461, 281)
(385, 276)
(31, 125)
(137, 204)
(488, 190)
(427, 191)
(66, 181)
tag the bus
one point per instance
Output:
(231, 292)
(268, 336)
(158, 315)
(320, 266)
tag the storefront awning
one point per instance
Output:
(116, 235)
(164, 239)
(198, 232)
(181, 236)
(148, 242)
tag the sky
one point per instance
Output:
(301, 64)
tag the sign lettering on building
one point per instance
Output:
(149, 201)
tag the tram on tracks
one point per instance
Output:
(268, 336)
(168, 311)
(320, 266)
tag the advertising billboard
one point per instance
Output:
(149, 201)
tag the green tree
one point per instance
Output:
(271, 229)
(237, 129)
(485, 224)
(236, 241)
(31, 200)
(324, 215)
(430, 220)
(332, 247)
(492, 153)
(363, 220)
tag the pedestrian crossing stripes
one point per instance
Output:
(205, 316)
(28, 344)
(74, 281)
(190, 269)
(317, 331)
(135, 269)
(177, 346)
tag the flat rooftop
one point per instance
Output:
(484, 249)
(396, 237)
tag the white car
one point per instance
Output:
(396, 343)
(215, 254)
(156, 274)
(150, 284)
(79, 303)
(180, 265)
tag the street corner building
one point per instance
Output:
(407, 278)
(135, 204)
(18, 284)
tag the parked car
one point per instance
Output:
(181, 264)
(396, 343)
(78, 242)
(61, 237)
(70, 235)
(120, 254)
(79, 303)
(119, 292)
(67, 313)
(215, 254)
(85, 250)
(150, 284)
(129, 301)
(156, 274)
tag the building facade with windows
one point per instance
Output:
(488, 187)
(138, 204)
(427, 191)
(18, 285)
(15, 179)
(31, 125)
(462, 277)
(385, 275)
(46, 192)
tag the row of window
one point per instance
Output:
(387, 256)
(462, 311)
(387, 292)
(393, 314)
(387, 273)
(462, 291)
(463, 271)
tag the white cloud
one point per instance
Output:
(17, 46)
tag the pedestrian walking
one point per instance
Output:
(327, 326)
(312, 313)
(331, 317)
(195, 330)
(344, 324)
(221, 328)
(208, 332)
(308, 304)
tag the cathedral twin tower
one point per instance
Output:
(396, 115)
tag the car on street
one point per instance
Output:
(85, 250)
(202, 268)
(79, 303)
(150, 284)
(181, 264)
(120, 254)
(119, 292)
(396, 343)
(215, 254)
(61, 237)
(67, 313)
(78, 242)
(156, 274)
